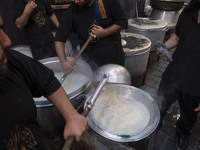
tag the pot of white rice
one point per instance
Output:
(124, 113)
(77, 85)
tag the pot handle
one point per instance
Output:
(69, 143)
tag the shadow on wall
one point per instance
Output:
(17, 36)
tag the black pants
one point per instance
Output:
(44, 51)
(188, 116)
(170, 90)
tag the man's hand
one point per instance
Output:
(198, 109)
(97, 31)
(67, 66)
(75, 127)
(162, 50)
(30, 6)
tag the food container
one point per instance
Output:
(154, 29)
(131, 95)
(76, 85)
(136, 48)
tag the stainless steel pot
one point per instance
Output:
(50, 120)
(136, 48)
(169, 5)
(171, 17)
(154, 29)
(24, 49)
(130, 93)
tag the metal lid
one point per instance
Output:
(147, 23)
(135, 43)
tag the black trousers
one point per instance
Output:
(170, 91)
(188, 116)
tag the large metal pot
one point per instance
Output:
(154, 29)
(50, 120)
(169, 5)
(24, 49)
(130, 94)
(136, 48)
(171, 17)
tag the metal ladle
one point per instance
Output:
(109, 73)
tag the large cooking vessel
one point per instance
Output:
(50, 120)
(24, 49)
(169, 5)
(136, 48)
(154, 29)
(171, 17)
(130, 94)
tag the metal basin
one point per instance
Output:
(50, 120)
(130, 94)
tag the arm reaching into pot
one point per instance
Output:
(75, 123)
(65, 64)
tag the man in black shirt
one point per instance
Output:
(181, 78)
(79, 18)
(21, 79)
(35, 16)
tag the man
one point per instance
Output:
(109, 20)
(181, 78)
(21, 79)
(34, 16)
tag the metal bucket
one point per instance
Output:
(129, 94)
(136, 48)
(154, 29)
(50, 120)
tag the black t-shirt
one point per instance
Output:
(186, 58)
(26, 79)
(79, 19)
(38, 29)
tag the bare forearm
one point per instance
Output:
(63, 104)
(172, 42)
(60, 49)
(54, 20)
(22, 20)
(112, 29)
(100, 32)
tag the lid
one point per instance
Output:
(147, 23)
(135, 43)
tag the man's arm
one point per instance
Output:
(75, 123)
(22, 20)
(60, 50)
(172, 41)
(54, 20)
(101, 33)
